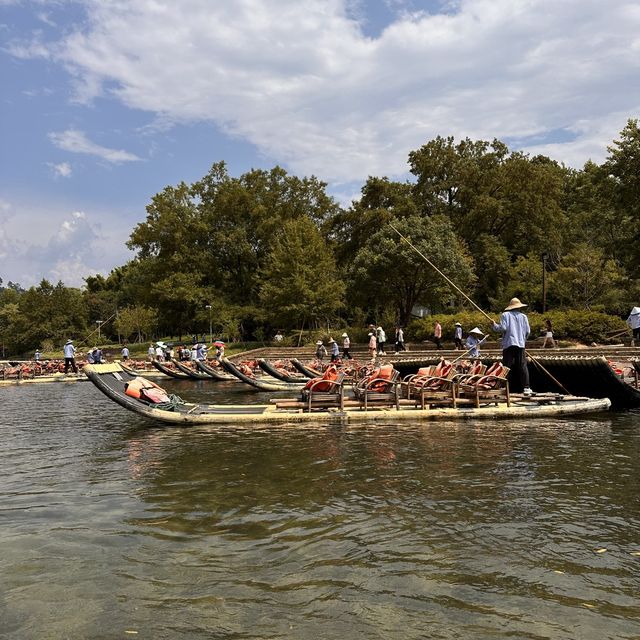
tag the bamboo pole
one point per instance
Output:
(462, 293)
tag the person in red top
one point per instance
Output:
(437, 334)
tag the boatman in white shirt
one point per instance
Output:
(515, 329)
(70, 357)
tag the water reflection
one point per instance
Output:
(523, 529)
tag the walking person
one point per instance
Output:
(634, 324)
(37, 355)
(457, 336)
(125, 353)
(372, 346)
(346, 346)
(437, 335)
(515, 329)
(381, 338)
(151, 352)
(400, 340)
(548, 335)
(70, 357)
(321, 351)
(335, 350)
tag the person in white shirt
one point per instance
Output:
(70, 357)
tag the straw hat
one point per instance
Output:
(69, 342)
(514, 304)
(477, 331)
(458, 324)
(331, 340)
(344, 335)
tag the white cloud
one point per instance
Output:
(58, 244)
(299, 79)
(61, 170)
(77, 142)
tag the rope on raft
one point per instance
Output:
(171, 404)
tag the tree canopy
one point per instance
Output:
(268, 249)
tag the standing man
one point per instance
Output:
(457, 336)
(125, 353)
(70, 357)
(400, 340)
(37, 355)
(515, 329)
(151, 352)
(437, 334)
(346, 345)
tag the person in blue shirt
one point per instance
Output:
(70, 357)
(474, 339)
(335, 350)
(457, 336)
(515, 329)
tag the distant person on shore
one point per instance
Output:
(125, 353)
(321, 351)
(400, 340)
(151, 352)
(219, 345)
(634, 324)
(278, 337)
(381, 339)
(437, 335)
(37, 355)
(346, 346)
(457, 336)
(335, 350)
(372, 346)
(548, 334)
(474, 339)
(70, 357)
(515, 329)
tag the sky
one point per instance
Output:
(106, 102)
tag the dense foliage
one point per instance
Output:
(268, 250)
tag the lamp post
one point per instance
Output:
(545, 255)
(99, 322)
(208, 308)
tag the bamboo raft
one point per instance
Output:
(111, 380)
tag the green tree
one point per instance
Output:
(299, 282)
(388, 272)
(136, 321)
(587, 279)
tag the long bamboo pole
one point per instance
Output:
(462, 293)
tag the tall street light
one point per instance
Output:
(99, 322)
(208, 307)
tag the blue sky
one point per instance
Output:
(105, 102)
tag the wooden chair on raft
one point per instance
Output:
(432, 386)
(491, 387)
(378, 388)
(326, 391)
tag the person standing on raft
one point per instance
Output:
(515, 329)
(70, 357)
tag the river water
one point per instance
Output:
(113, 527)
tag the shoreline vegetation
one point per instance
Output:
(241, 258)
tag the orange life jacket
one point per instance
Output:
(143, 389)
